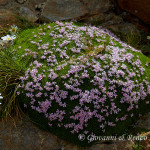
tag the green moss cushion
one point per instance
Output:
(81, 80)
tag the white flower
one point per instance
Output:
(13, 29)
(8, 38)
(148, 37)
(0, 98)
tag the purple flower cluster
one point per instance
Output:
(97, 83)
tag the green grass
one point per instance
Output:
(10, 72)
(136, 39)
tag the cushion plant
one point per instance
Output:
(80, 79)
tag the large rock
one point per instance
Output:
(63, 10)
(23, 135)
(144, 122)
(97, 6)
(117, 145)
(73, 9)
(138, 8)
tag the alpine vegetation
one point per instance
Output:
(8, 38)
(80, 79)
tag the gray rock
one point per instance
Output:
(23, 135)
(32, 4)
(122, 27)
(105, 19)
(27, 14)
(40, 6)
(55, 10)
(144, 122)
(117, 145)
(97, 6)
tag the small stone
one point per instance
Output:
(21, 1)
(27, 14)
(39, 6)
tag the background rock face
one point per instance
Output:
(73, 9)
(63, 10)
(25, 136)
(139, 8)
(100, 12)
(97, 6)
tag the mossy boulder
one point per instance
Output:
(81, 80)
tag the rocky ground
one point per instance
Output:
(22, 134)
